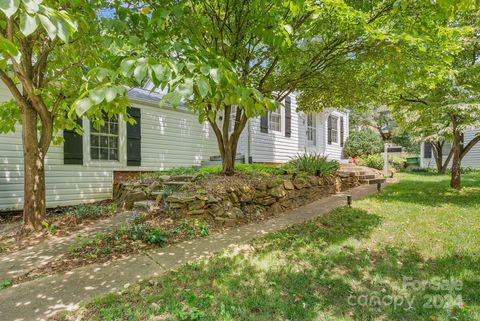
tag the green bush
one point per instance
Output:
(363, 142)
(397, 162)
(311, 163)
(373, 161)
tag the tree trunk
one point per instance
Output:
(34, 211)
(455, 181)
(227, 142)
(228, 161)
(438, 156)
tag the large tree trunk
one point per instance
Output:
(228, 160)
(455, 181)
(227, 142)
(34, 211)
(442, 166)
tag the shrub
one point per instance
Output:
(363, 142)
(311, 163)
(373, 161)
(397, 162)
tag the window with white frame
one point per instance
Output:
(334, 129)
(275, 120)
(311, 129)
(104, 141)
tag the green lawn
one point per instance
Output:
(410, 253)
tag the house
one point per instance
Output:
(471, 159)
(82, 168)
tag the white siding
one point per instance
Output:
(471, 160)
(274, 147)
(334, 150)
(66, 184)
(169, 138)
(173, 138)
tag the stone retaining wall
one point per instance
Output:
(235, 200)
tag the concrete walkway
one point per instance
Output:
(42, 298)
(22, 262)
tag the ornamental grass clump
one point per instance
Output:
(314, 164)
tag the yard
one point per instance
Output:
(409, 253)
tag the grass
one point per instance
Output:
(409, 253)
(300, 165)
(216, 169)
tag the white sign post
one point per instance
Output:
(385, 160)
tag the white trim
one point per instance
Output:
(280, 110)
(312, 129)
(122, 146)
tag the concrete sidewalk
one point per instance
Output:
(42, 298)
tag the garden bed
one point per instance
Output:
(60, 221)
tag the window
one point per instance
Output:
(275, 120)
(333, 129)
(104, 141)
(311, 129)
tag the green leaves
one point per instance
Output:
(28, 24)
(48, 26)
(8, 48)
(203, 86)
(9, 7)
(98, 96)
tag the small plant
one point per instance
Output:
(187, 227)
(94, 211)
(5, 284)
(158, 237)
(314, 164)
(50, 228)
(363, 142)
(137, 232)
(136, 219)
(204, 230)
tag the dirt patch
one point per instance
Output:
(60, 222)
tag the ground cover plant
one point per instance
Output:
(143, 231)
(347, 265)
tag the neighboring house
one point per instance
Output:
(82, 169)
(471, 159)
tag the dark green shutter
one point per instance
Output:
(73, 146)
(134, 138)
(264, 123)
(288, 117)
(341, 131)
(427, 150)
(329, 130)
(462, 142)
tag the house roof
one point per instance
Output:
(148, 93)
